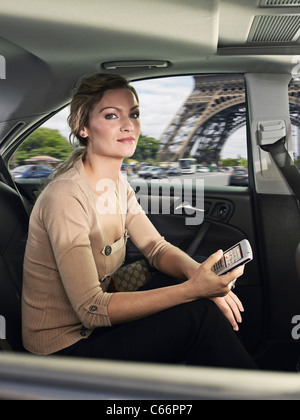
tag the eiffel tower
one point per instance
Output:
(215, 109)
(294, 100)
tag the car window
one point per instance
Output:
(192, 127)
(294, 95)
(200, 124)
(44, 149)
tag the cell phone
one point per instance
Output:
(235, 256)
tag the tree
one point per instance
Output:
(235, 162)
(147, 149)
(44, 141)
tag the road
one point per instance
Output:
(214, 179)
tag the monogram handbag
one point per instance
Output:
(131, 277)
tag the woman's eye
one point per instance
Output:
(110, 116)
(135, 115)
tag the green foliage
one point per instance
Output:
(49, 142)
(147, 149)
(235, 162)
(44, 141)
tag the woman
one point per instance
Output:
(77, 238)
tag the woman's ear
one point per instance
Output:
(83, 133)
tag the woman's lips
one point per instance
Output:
(127, 140)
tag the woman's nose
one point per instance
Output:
(127, 124)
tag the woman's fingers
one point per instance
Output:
(230, 277)
(237, 301)
(231, 307)
(234, 307)
(205, 283)
(212, 260)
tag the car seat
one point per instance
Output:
(297, 257)
(13, 235)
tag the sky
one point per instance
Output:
(160, 100)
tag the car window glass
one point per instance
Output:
(192, 127)
(294, 101)
(47, 147)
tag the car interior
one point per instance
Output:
(47, 46)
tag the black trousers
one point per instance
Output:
(195, 333)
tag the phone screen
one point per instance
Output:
(232, 256)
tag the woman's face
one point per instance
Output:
(114, 125)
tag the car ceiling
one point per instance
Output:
(47, 45)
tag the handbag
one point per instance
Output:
(130, 277)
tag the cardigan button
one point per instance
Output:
(108, 250)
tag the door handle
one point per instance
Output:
(187, 206)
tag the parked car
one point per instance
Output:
(203, 169)
(32, 171)
(241, 62)
(156, 173)
(152, 172)
(239, 177)
(143, 172)
(173, 172)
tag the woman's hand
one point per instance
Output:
(231, 307)
(204, 283)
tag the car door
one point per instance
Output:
(227, 214)
(228, 219)
(213, 123)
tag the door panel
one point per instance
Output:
(228, 219)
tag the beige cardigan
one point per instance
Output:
(64, 294)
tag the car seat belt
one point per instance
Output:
(6, 175)
(9, 181)
(268, 134)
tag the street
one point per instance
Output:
(214, 179)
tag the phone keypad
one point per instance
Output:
(219, 265)
(233, 256)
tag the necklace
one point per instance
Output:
(110, 249)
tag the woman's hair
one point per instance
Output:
(89, 91)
